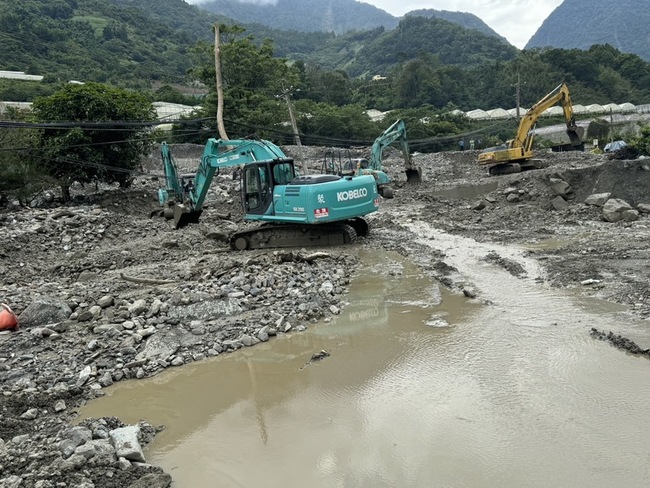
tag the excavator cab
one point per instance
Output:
(258, 182)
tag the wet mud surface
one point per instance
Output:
(123, 295)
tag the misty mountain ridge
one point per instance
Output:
(338, 16)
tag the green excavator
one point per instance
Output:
(292, 210)
(395, 134)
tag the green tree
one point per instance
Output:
(20, 175)
(252, 79)
(84, 152)
(641, 144)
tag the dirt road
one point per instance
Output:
(106, 293)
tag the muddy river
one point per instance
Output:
(421, 388)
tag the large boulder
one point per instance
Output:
(561, 188)
(127, 445)
(616, 210)
(598, 199)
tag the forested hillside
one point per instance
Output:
(423, 62)
(464, 19)
(90, 40)
(450, 43)
(580, 24)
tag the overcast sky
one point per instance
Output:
(516, 20)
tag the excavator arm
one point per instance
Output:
(524, 136)
(186, 193)
(396, 133)
(516, 152)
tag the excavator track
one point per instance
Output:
(294, 235)
(504, 169)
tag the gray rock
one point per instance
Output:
(104, 452)
(478, 205)
(85, 316)
(153, 480)
(78, 435)
(614, 208)
(263, 334)
(326, 288)
(643, 207)
(87, 276)
(161, 346)
(513, 198)
(86, 450)
(44, 311)
(13, 481)
(67, 448)
(84, 376)
(138, 307)
(20, 439)
(598, 199)
(559, 203)
(125, 440)
(561, 188)
(629, 215)
(30, 414)
(106, 380)
(105, 301)
(59, 406)
(123, 464)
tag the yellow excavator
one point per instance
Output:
(515, 155)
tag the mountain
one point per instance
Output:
(579, 24)
(465, 19)
(447, 41)
(337, 16)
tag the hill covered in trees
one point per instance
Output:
(422, 62)
(579, 24)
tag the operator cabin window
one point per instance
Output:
(282, 173)
(257, 186)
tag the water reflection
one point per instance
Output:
(506, 396)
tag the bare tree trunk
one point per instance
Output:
(217, 66)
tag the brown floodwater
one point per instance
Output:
(422, 388)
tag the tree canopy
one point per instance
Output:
(103, 138)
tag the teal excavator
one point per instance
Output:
(395, 134)
(293, 210)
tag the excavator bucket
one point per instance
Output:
(414, 176)
(184, 216)
(574, 137)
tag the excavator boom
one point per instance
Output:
(396, 133)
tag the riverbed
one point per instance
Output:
(411, 385)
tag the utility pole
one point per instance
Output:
(518, 96)
(286, 94)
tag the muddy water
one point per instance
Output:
(422, 388)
